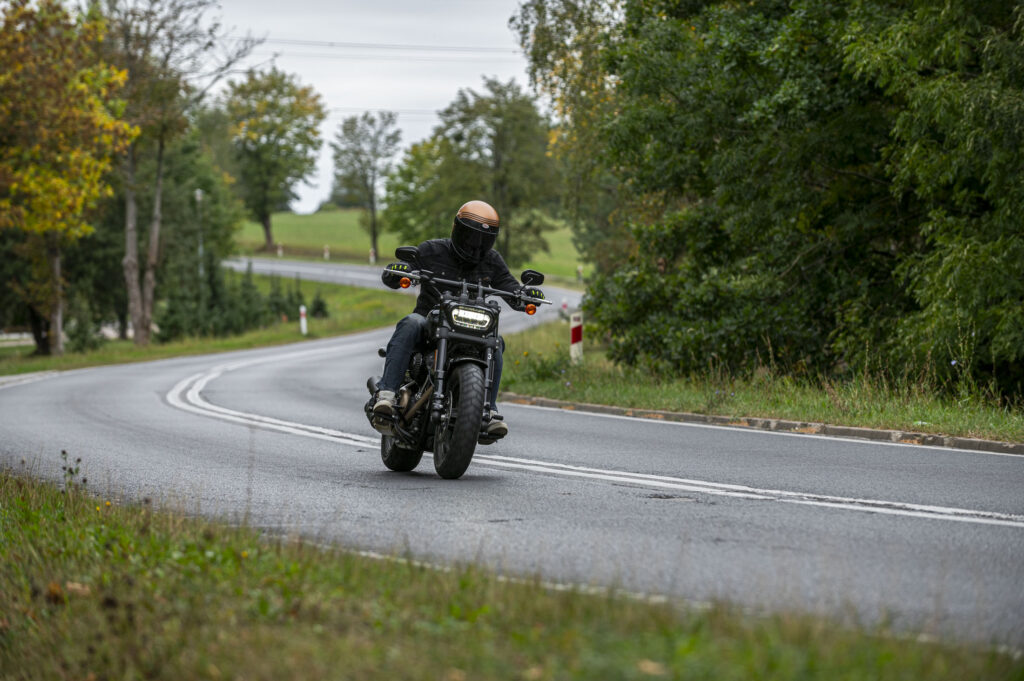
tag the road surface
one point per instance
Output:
(930, 539)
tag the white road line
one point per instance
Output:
(744, 429)
(187, 395)
(30, 378)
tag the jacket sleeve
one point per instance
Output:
(502, 279)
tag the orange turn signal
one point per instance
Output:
(405, 282)
(531, 308)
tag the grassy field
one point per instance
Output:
(537, 363)
(93, 588)
(305, 236)
(350, 309)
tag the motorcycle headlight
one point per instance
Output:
(472, 318)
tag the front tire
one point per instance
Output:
(455, 442)
(397, 457)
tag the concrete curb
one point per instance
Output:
(779, 425)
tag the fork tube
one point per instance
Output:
(439, 372)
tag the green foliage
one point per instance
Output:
(363, 149)
(275, 131)
(318, 308)
(824, 185)
(565, 42)
(490, 146)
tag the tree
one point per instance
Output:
(276, 135)
(490, 146)
(58, 131)
(567, 43)
(363, 149)
(173, 55)
(826, 186)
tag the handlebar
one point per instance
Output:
(417, 276)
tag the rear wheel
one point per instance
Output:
(455, 441)
(398, 457)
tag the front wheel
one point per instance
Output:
(455, 440)
(398, 457)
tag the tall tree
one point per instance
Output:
(276, 135)
(58, 132)
(173, 53)
(490, 146)
(363, 149)
(567, 43)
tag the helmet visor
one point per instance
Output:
(473, 239)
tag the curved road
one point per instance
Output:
(930, 539)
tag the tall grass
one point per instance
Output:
(92, 587)
(537, 363)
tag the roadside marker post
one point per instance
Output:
(576, 338)
(302, 320)
(327, 252)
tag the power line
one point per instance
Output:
(386, 57)
(392, 46)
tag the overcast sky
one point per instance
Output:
(376, 73)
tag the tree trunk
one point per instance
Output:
(130, 263)
(269, 240)
(122, 324)
(40, 331)
(153, 252)
(57, 305)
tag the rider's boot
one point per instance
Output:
(383, 411)
(385, 404)
(496, 428)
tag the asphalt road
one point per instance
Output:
(929, 539)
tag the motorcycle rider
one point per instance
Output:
(466, 254)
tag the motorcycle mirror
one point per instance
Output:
(532, 278)
(409, 254)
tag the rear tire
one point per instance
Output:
(398, 457)
(454, 444)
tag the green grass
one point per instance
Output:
(94, 588)
(536, 363)
(304, 236)
(350, 309)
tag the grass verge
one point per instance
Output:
(92, 588)
(304, 236)
(349, 309)
(537, 363)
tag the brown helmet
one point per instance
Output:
(474, 230)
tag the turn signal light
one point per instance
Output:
(405, 282)
(531, 308)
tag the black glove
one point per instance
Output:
(393, 274)
(532, 293)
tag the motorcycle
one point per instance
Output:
(441, 406)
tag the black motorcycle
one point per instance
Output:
(441, 404)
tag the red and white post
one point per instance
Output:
(576, 338)
(302, 320)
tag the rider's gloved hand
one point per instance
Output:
(532, 293)
(393, 274)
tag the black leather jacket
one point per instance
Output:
(438, 256)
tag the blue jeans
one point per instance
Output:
(409, 332)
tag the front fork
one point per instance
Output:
(437, 411)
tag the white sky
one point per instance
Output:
(415, 83)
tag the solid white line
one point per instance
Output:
(193, 386)
(747, 429)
